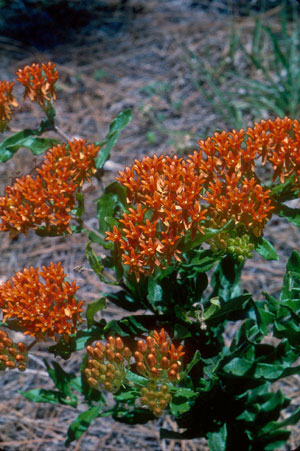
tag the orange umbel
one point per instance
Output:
(7, 101)
(217, 185)
(42, 310)
(39, 82)
(47, 199)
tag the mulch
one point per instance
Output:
(133, 57)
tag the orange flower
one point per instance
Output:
(7, 101)
(46, 309)
(168, 190)
(47, 200)
(39, 82)
(175, 354)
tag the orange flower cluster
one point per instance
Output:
(43, 310)
(48, 198)
(219, 183)
(169, 188)
(232, 188)
(277, 142)
(39, 82)
(12, 355)
(107, 364)
(7, 101)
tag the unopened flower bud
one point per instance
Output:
(119, 345)
(92, 382)
(144, 400)
(102, 368)
(141, 367)
(111, 341)
(99, 345)
(22, 346)
(174, 367)
(87, 372)
(154, 372)
(168, 397)
(110, 355)
(21, 367)
(95, 373)
(2, 334)
(165, 363)
(150, 342)
(98, 354)
(111, 367)
(163, 403)
(102, 378)
(164, 348)
(7, 341)
(151, 360)
(90, 350)
(108, 386)
(2, 347)
(109, 376)
(138, 356)
(127, 353)
(151, 394)
(142, 346)
(95, 364)
(172, 375)
(152, 404)
(10, 364)
(118, 357)
(4, 358)
(157, 412)
(144, 391)
(20, 358)
(13, 351)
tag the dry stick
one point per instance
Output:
(60, 132)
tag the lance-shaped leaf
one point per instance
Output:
(112, 136)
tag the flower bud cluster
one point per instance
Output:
(240, 247)
(158, 360)
(156, 397)
(12, 355)
(107, 364)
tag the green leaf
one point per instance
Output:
(136, 378)
(266, 249)
(25, 138)
(96, 265)
(181, 400)
(136, 416)
(112, 136)
(93, 308)
(238, 366)
(112, 200)
(81, 424)
(96, 238)
(291, 214)
(51, 396)
(217, 440)
(196, 358)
